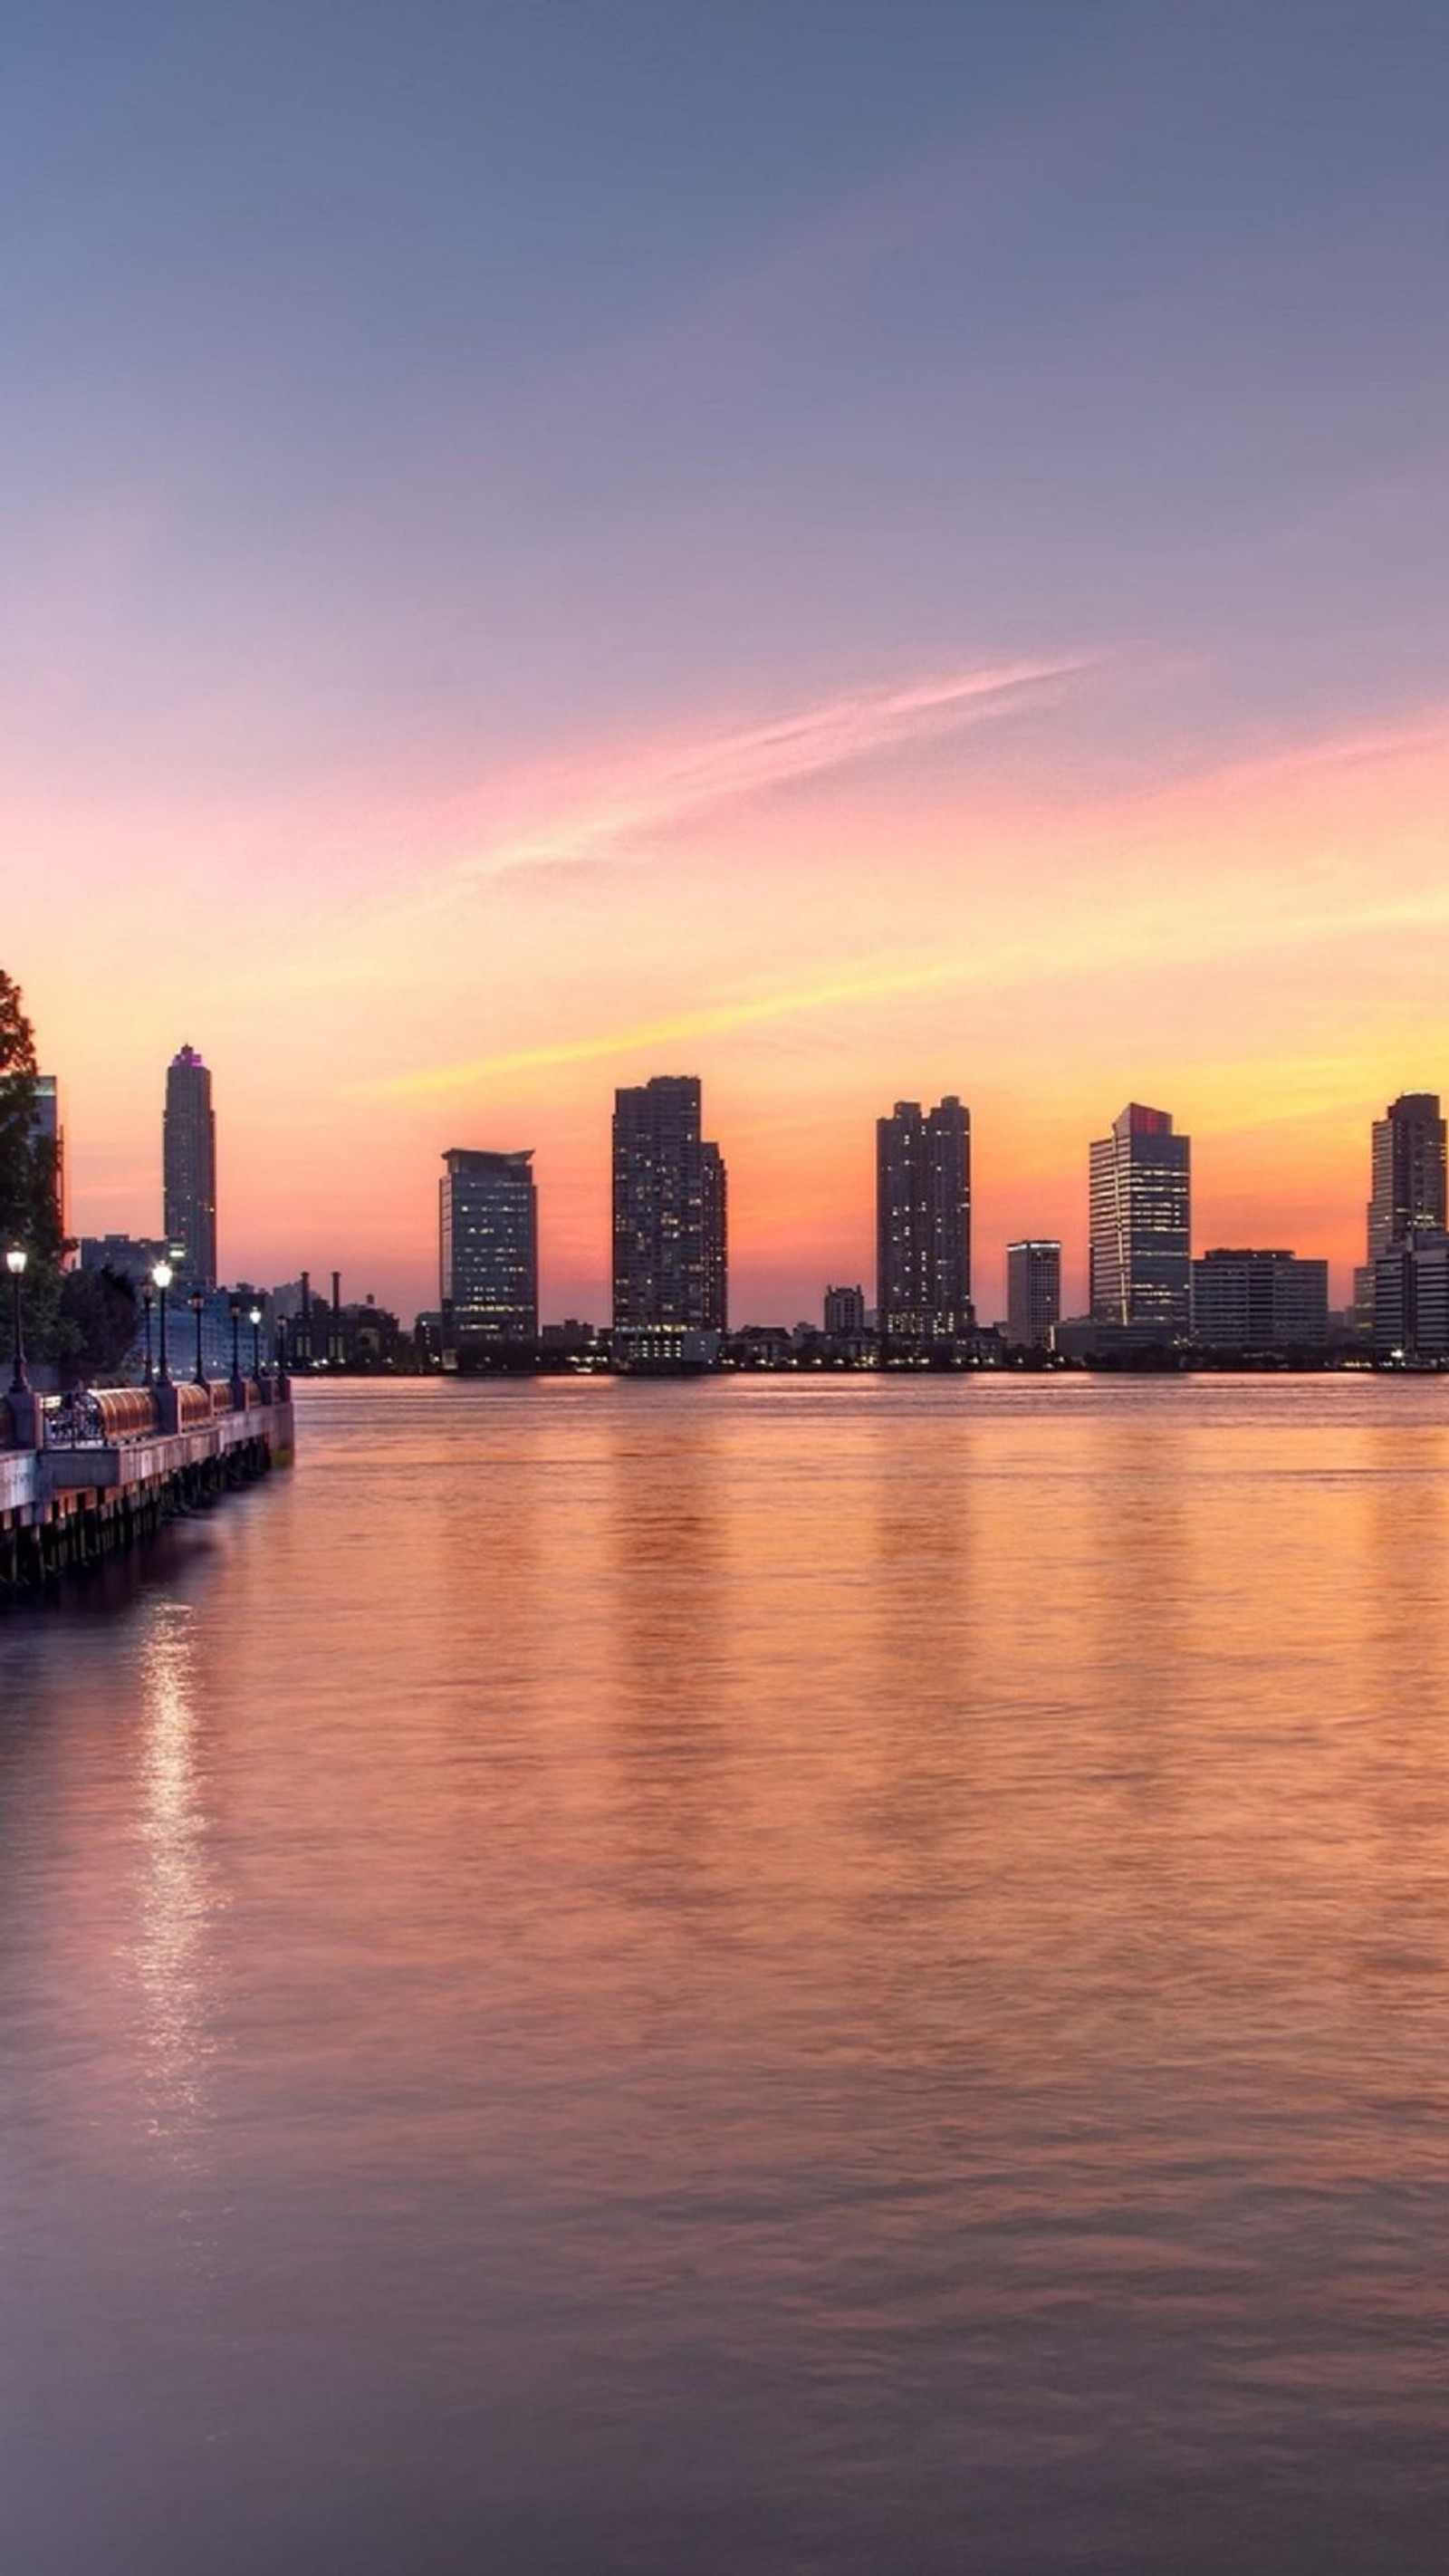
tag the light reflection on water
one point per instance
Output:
(174, 1895)
(752, 1976)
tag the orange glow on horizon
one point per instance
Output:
(919, 889)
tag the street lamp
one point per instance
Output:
(234, 1310)
(161, 1281)
(197, 1302)
(15, 1260)
(256, 1325)
(147, 1302)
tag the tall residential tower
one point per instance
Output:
(670, 1211)
(189, 1166)
(923, 1222)
(1033, 1292)
(1406, 1189)
(48, 1134)
(1408, 1172)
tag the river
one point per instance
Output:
(689, 1979)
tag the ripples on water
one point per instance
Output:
(710, 1978)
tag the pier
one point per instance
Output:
(100, 1470)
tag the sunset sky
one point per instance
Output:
(854, 550)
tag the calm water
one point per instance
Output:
(717, 1978)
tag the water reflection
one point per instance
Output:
(177, 1894)
(762, 1977)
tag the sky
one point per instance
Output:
(858, 551)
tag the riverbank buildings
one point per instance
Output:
(1259, 1303)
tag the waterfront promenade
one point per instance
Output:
(97, 1472)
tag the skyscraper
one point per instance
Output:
(1408, 1172)
(716, 1237)
(1033, 1292)
(488, 1247)
(671, 1261)
(1406, 1186)
(1141, 1223)
(47, 1132)
(189, 1164)
(923, 1222)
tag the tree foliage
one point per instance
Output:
(17, 1115)
(96, 1325)
(29, 1197)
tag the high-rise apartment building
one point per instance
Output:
(716, 1237)
(1406, 1186)
(1408, 1172)
(1141, 1223)
(189, 1166)
(1257, 1302)
(47, 1132)
(1033, 1292)
(488, 1247)
(923, 1222)
(671, 1264)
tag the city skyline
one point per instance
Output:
(964, 610)
(1405, 1171)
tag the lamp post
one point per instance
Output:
(281, 1358)
(161, 1280)
(234, 1310)
(147, 1302)
(197, 1302)
(256, 1325)
(15, 1260)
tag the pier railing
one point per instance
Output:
(112, 1417)
(102, 1466)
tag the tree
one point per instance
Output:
(97, 1323)
(17, 1114)
(29, 1199)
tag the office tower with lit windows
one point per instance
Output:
(1411, 1298)
(1141, 1223)
(923, 1222)
(1259, 1302)
(488, 1247)
(670, 1212)
(1033, 1292)
(189, 1166)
